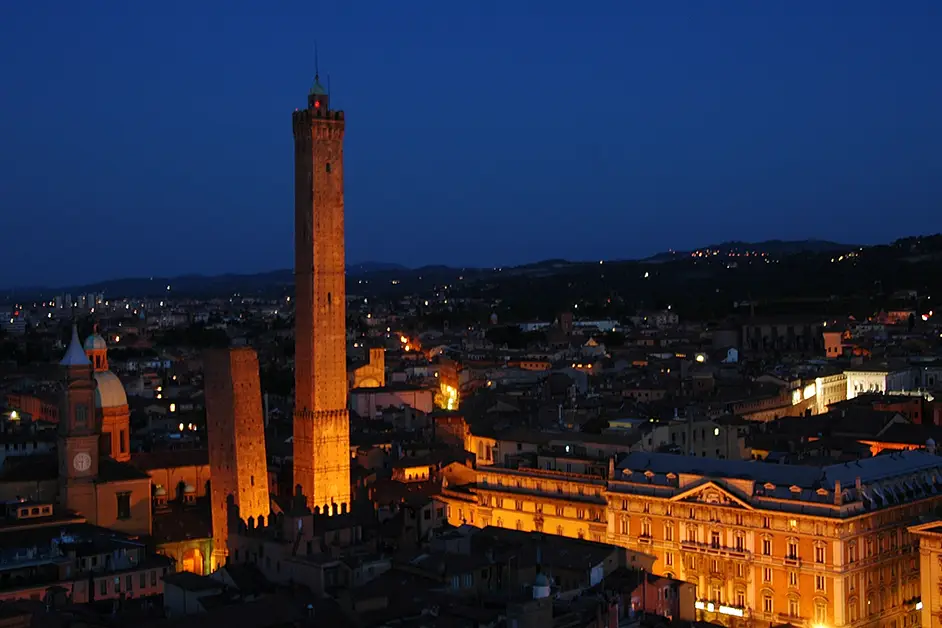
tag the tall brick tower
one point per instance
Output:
(321, 419)
(78, 433)
(238, 465)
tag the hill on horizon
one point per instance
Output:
(283, 279)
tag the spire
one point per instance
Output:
(75, 354)
(317, 89)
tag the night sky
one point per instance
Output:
(154, 138)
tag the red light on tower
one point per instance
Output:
(317, 104)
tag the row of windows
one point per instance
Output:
(106, 585)
(716, 539)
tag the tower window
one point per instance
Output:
(81, 415)
(328, 298)
(328, 166)
(124, 505)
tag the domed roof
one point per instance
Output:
(95, 343)
(110, 392)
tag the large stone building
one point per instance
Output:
(321, 418)
(106, 491)
(236, 433)
(929, 604)
(810, 546)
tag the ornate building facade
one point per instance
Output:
(236, 431)
(373, 373)
(321, 419)
(930, 572)
(808, 546)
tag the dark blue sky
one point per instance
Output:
(155, 137)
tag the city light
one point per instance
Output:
(710, 607)
(449, 397)
(14, 416)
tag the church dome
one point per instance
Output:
(110, 392)
(95, 343)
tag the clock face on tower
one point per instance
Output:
(82, 462)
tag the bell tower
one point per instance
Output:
(78, 432)
(321, 420)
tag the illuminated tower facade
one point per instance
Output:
(236, 430)
(321, 419)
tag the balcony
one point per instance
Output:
(713, 550)
(794, 620)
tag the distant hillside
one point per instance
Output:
(772, 248)
(546, 286)
(213, 285)
(372, 267)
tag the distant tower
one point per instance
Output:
(78, 433)
(565, 323)
(321, 419)
(237, 461)
(111, 402)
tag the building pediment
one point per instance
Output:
(711, 493)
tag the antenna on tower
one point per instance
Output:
(316, 67)
(328, 88)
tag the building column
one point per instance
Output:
(839, 600)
